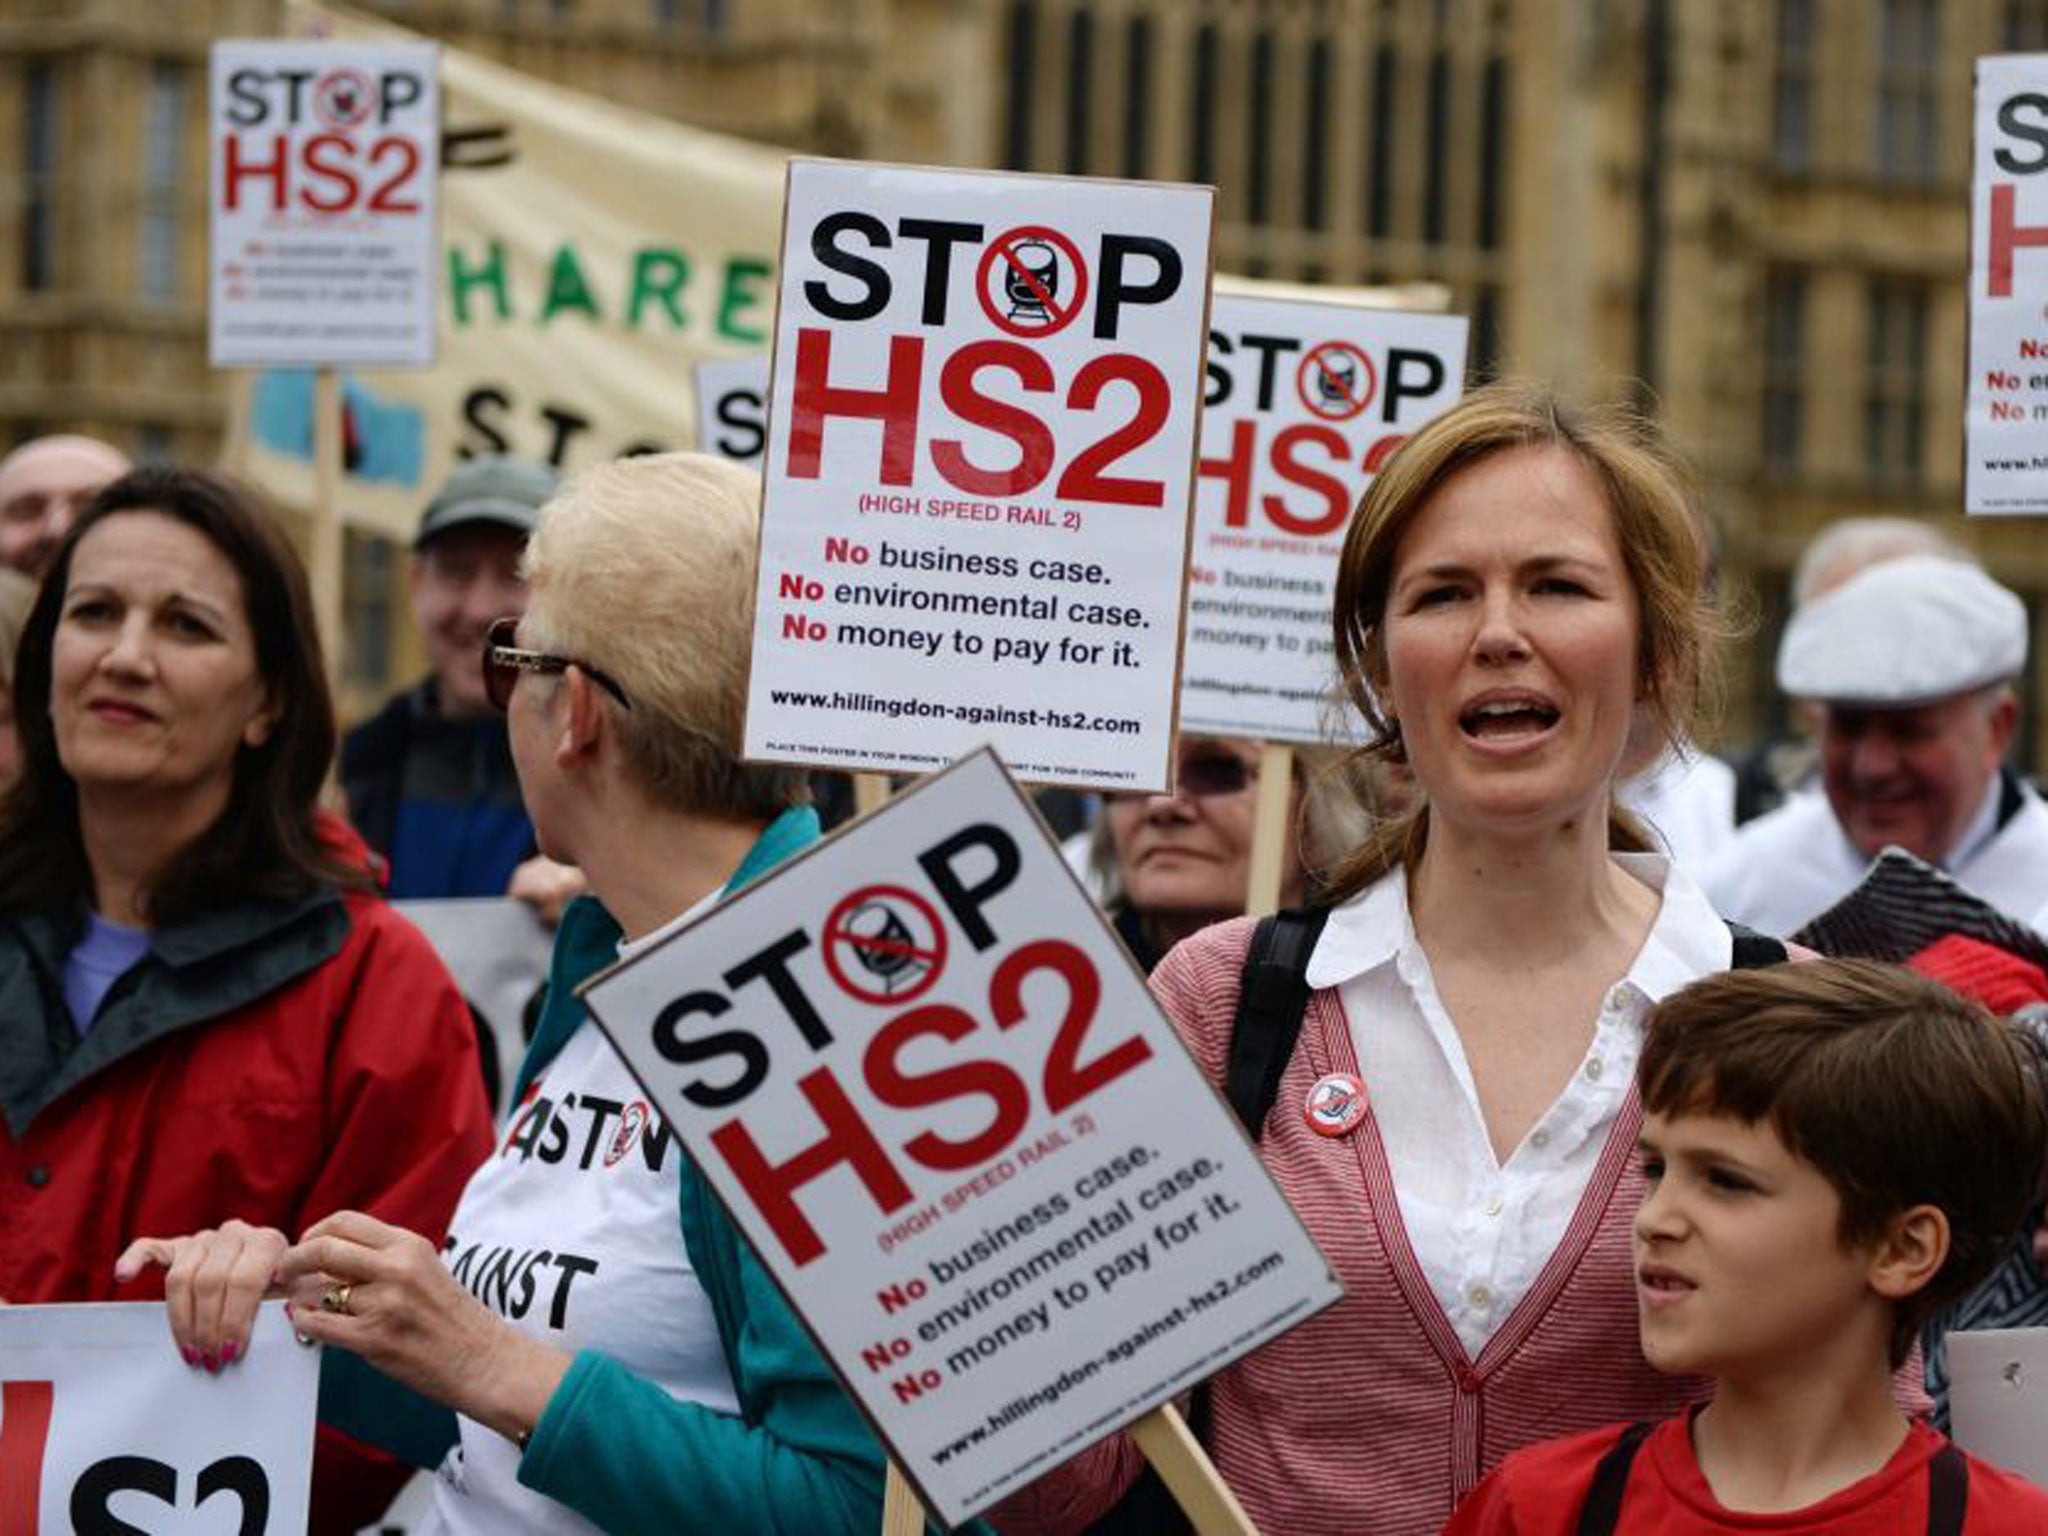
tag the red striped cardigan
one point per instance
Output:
(1370, 1417)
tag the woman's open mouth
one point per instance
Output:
(1507, 720)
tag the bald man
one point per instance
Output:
(44, 484)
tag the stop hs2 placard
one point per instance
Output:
(978, 471)
(325, 243)
(927, 1082)
(2005, 459)
(104, 1431)
(1305, 401)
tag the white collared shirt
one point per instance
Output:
(1482, 1231)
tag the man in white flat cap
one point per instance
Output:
(1910, 664)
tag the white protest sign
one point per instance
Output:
(324, 242)
(1998, 1397)
(2005, 463)
(1305, 401)
(732, 407)
(101, 1423)
(974, 526)
(928, 1083)
(497, 950)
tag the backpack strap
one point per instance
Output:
(1948, 1491)
(1753, 950)
(1272, 998)
(1601, 1512)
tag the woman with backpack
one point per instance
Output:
(1519, 595)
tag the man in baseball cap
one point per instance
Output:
(1910, 666)
(429, 778)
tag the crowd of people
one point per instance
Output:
(1634, 1154)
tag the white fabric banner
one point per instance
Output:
(101, 1423)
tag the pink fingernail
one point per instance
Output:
(228, 1352)
(212, 1366)
(288, 1311)
(191, 1356)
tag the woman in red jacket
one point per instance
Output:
(206, 1014)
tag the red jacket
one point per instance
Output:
(1540, 1491)
(273, 1062)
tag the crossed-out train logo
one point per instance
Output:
(633, 1120)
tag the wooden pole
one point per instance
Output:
(870, 792)
(323, 553)
(1270, 829)
(1177, 1456)
(902, 1515)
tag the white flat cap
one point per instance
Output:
(1904, 632)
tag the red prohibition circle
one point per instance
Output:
(1002, 249)
(1315, 383)
(837, 934)
(337, 113)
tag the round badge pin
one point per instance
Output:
(1335, 1105)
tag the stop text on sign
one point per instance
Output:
(969, 314)
(330, 147)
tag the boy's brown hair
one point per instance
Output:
(1900, 1091)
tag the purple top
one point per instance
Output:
(104, 955)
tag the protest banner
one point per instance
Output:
(1304, 402)
(2005, 468)
(324, 241)
(592, 254)
(732, 408)
(1998, 1397)
(104, 1429)
(926, 1080)
(974, 523)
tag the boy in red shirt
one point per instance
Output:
(1835, 1150)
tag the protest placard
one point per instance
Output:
(931, 1088)
(325, 244)
(1998, 1397)
(974, 525)
(101, 1423)
(1304, 402)
(497, 950)
(732, 408)
(2005, 467)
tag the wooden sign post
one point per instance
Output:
(1272, 829)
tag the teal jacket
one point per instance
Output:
(619, 1450)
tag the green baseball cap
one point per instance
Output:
(490, 489)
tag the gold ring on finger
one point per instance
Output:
(336, 1300)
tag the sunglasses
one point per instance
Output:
(1203, 774)
(504, 661)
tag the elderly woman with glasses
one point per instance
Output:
(613, 1355)
(1170, 865)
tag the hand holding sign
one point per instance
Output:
(214, 1282)
(405, 1314)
